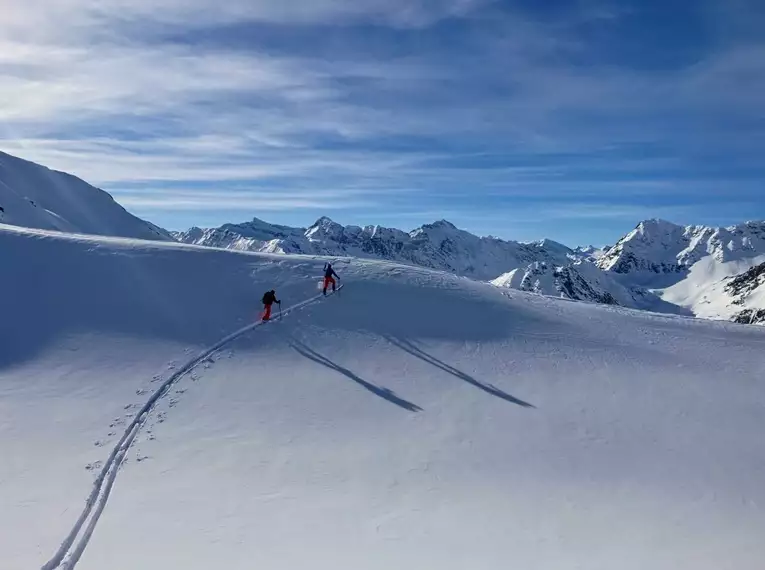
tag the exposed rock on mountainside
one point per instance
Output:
(657, 246)
(747, 283)
(657, 266)
(439, 245)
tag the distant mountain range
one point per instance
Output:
(660, 266)
(710, 271)
(439, 245)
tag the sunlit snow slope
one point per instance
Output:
(416, 420)
(34, 196)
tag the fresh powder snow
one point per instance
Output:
(416, 419)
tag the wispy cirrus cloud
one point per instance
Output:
(472, 107)
(44, 19)
(231, 200)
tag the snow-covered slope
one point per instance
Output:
(36, 197)
(692, 266)
(660, 247)
(439, 245)
(731, 290)
(582, 281)
(590, 252)
(705, 288)
(418, 420)
(571, 282)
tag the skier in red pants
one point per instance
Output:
(329, 272)
(269, 299)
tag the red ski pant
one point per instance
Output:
(266, 312)
(329, 281)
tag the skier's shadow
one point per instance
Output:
(417, 352)
(383, 393)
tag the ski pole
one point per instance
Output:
(280, 311)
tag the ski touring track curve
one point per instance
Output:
(71, 550)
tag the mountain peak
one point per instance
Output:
(439, 245)
(657, 225)
(662, 247)
(323, 221)
(325, 228)
(445, 224)
(546, 243)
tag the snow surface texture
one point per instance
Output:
(418, 420)
(438, 246)
(36, 197)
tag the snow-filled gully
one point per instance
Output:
(70, 551)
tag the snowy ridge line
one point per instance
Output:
(71, 549)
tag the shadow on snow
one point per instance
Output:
(383, 393)
(417, 352)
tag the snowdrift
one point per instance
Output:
(416, 420)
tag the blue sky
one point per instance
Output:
(564, 119)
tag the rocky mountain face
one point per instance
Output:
(439, 245)
(658, 266)
(582, 280)
(745, 289)
(713, 272)
(746, 284)
(750, 317)
(660, 247)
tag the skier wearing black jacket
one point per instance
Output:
(269, 299)
(329, 272)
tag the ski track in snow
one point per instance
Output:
(74, 545)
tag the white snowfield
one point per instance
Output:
(704, 289)
(414, 420)
(692, 266)
(34, 196)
